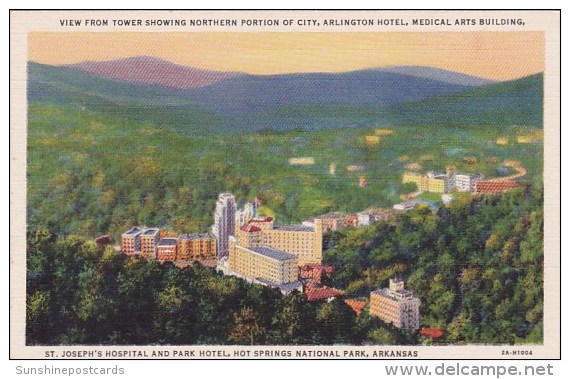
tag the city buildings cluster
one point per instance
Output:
(289, 257)
(242, 243)
(334, 221)
(258, 250)
(152, 243)
(473, 183)
(286, 257)
(442, 183)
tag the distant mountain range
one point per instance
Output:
(255, 93)
(153, 71)
(153, 90)
(235, 93)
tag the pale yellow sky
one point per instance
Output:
(491, 55)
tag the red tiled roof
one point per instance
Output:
(104, 240)
(314, 293)
(493, 187)
(352, 219)
(356, 305)
(250, 228)
(314, 271)
(310, 285)
(432, 332)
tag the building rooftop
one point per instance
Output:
(199, 236)
(250, 228)
(133, 230)
(167, 242)
(490, 187)
(150, 232)
(294, 228)
(332, 216)
(436, 175)
(394, 295)
(280, 255)
(434, 333)
(104, 240)
(315, 293)
(356, 305)
(377, 212)
(262, 219)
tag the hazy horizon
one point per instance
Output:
(496, 56)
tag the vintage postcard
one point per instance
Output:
(285, 184)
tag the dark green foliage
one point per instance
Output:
(78, 293)
(476, 265)
(517, 102)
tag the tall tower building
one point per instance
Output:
(224, 222)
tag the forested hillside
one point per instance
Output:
(476, 266)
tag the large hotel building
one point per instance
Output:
(396, 305)
(442, 183)
(166, 249)
(131, 241)
(147, 243)
(245, 245)
(303, 241)
(270, 254)
(430, 182)
(272, 266)
(196, 246)
(140, 241)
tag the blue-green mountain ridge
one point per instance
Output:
(249, 103)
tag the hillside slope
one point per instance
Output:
(517, 102)
(244, 105)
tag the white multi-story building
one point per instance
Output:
(245, 214)
(466, 182)
(369, 216)
(224, 222)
